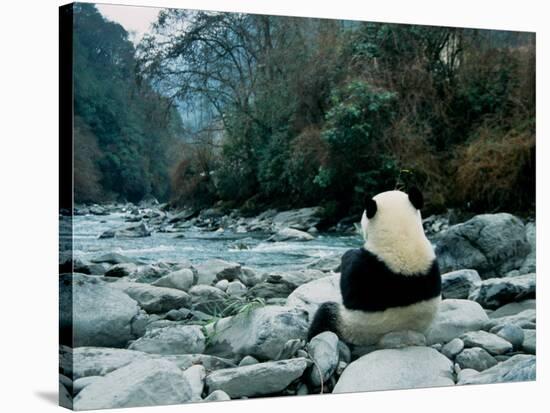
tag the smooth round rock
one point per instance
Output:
(248, 361)
(222, 284)
(181, 280)
(512, 334)
(491, 342)
(405, 368)
(452, 348)
(475, 358)
(217, 396)
(236, 289)
(454, 318)
(323, 349)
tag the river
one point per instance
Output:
(197, 245)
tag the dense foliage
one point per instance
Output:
(122, 130)
(324, 112)
(291, 112)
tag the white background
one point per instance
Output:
(29, 189)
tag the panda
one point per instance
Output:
(393, 282)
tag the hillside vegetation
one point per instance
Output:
(288, 112)
(123, 130)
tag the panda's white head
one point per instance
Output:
(392, 227)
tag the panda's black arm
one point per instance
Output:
(356, 264)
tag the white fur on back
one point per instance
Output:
(395, 234)
(366, 328)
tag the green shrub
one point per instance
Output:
(354, 132)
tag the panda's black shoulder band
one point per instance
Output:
(368, 284)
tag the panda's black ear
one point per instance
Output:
(370, 207)
(416, 198)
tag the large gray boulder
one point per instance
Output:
(95, 313)
(256, 379)
(455, 317)
(311, 295)
(301, 219)
(495, 292)
(261, 332)
(520, 367)
(155, 299)
(178, 339)
(492, 244)
(142, 383)
(458, 284)
(405, 368)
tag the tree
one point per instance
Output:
(132, 125)
(311, 111)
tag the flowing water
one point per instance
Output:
(196, 245)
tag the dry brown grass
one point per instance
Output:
(192, 183)
(497, 169)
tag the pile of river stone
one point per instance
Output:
(173, 332)
(148, 217)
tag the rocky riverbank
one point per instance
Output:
(169, 332)
(150, 216)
